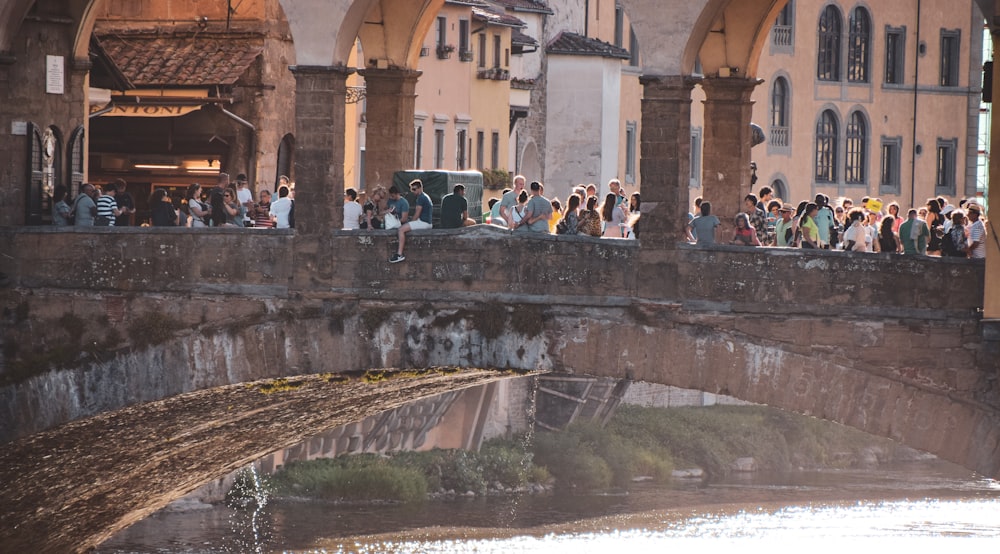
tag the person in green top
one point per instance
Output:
(784, 228)
(913, 233)
(810, 232)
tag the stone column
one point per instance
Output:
(320, 92)
(665, 164)
(726, 155)
(390, 99)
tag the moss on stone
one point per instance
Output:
(373, 318)
(529, 320)
(152, 328)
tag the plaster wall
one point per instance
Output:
(582, 106)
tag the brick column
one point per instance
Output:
(390, 99)
(726, 155)
(665, 165)
(320, 93)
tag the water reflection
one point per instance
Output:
(937, 504)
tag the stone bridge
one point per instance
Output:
(113, 330)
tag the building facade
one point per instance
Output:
(878, 100)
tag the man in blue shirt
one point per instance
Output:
(421, 218)
(397, 204)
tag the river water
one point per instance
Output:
(926, 505)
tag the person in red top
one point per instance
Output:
(745, 235)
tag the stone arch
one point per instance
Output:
(730, 35)
(285, 162)
(530, 162)
(779, 185)
(76, 159)
(393, 32)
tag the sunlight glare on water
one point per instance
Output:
(973, 526)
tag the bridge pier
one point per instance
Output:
(391, 98)
(726, 160)
(666, 157)
(320, 93)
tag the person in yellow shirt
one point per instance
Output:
(556, 215)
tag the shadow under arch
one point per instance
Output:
(114, 468)
(77, 485)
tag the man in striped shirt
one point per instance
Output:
(107, 207)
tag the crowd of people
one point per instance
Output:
(939, 228)
(226, 204)
(521, 209)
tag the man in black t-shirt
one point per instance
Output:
(455, 209)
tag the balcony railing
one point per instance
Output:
(779, 136)
(782, 35)
(494, 73)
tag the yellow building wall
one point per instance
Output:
(490, 103)
(444, 88)
(353, 127)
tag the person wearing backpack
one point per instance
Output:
(955, 244)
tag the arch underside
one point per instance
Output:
(170, 447)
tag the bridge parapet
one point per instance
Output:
(486, 260)
(99, 320)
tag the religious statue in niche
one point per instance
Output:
(48, 161)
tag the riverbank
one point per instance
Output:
(637, 444)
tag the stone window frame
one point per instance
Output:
(951, 52)
(829, 44)
(495, 149)
(826, 146)
(857, 136)
(779, 134)
(947, 164)
(480, 149)
(419, 118)
(783, 31)
(631, 143)
(895, 57)
(440, 139)
(859, 46)
(891, 156)
(697, 145)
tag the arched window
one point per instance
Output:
(859, 46)
(827, 132)
(286, 160)
(828, 59)
(782, 34)
(856, 163)
(779, 189)
(779, 113)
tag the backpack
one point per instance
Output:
(953, 244)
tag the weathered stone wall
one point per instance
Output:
(23, 91)
(873, 341)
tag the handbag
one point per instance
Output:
(391, 221)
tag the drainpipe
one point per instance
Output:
(916, 80)
(252, 166)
